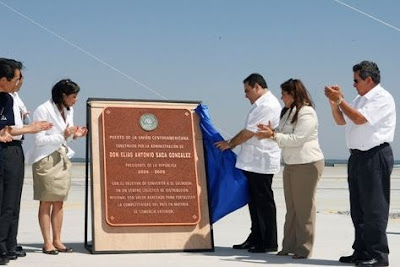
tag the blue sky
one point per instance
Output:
(202, 50)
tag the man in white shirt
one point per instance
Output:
(259, 160)
(370, 125)
(12, 158)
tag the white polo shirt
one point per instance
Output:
(261, 156)
(378, 107)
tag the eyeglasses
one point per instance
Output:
(358, 81)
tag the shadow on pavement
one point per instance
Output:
(37, 247)
(263, 258)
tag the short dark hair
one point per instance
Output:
(368, 69)
(8, 67)
(65, 86)
(254, 79)
(300, 94)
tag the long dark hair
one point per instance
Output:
(300, 94)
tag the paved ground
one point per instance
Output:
(334, 233)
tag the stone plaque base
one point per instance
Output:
(147, 178)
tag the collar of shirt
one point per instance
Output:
(260, 99)
(373, 91)
(20, 103)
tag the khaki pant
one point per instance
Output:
(300, 184)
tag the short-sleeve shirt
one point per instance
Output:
(6, 116)
(6, 110)
(17, 114)
(261, 155)
(378, 108)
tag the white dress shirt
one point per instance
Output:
(299, 140)
(22, 108)
(378, 108)
(17, 114)
(46, 142)
(261, 156)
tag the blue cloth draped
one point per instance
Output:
(227, 185)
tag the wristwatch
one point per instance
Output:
(339, 101)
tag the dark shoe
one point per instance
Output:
(65, 250)
(355, 258)
(19, 248)
(50, 252)
(257, 250)
(372, 262)
(4, 261)
(350, 259)
(17, 254)
(282, 253)
(5, 255)
(20, 253)
(298, 257)
(245, 245)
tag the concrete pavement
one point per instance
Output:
(334, 233)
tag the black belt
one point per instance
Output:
(360, 152)
(12, 143)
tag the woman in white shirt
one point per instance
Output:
(51, 161)
(297, 136)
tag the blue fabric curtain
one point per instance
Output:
(228, 188)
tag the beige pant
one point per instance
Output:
(300, 184)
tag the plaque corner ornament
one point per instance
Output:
(148, 122)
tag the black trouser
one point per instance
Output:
(262, 210)
(369, 184)
(11, 181)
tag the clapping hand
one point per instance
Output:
(80, 132)
(333, 93)
(70, 131)
(39, 126)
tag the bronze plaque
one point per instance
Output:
(149, 167)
